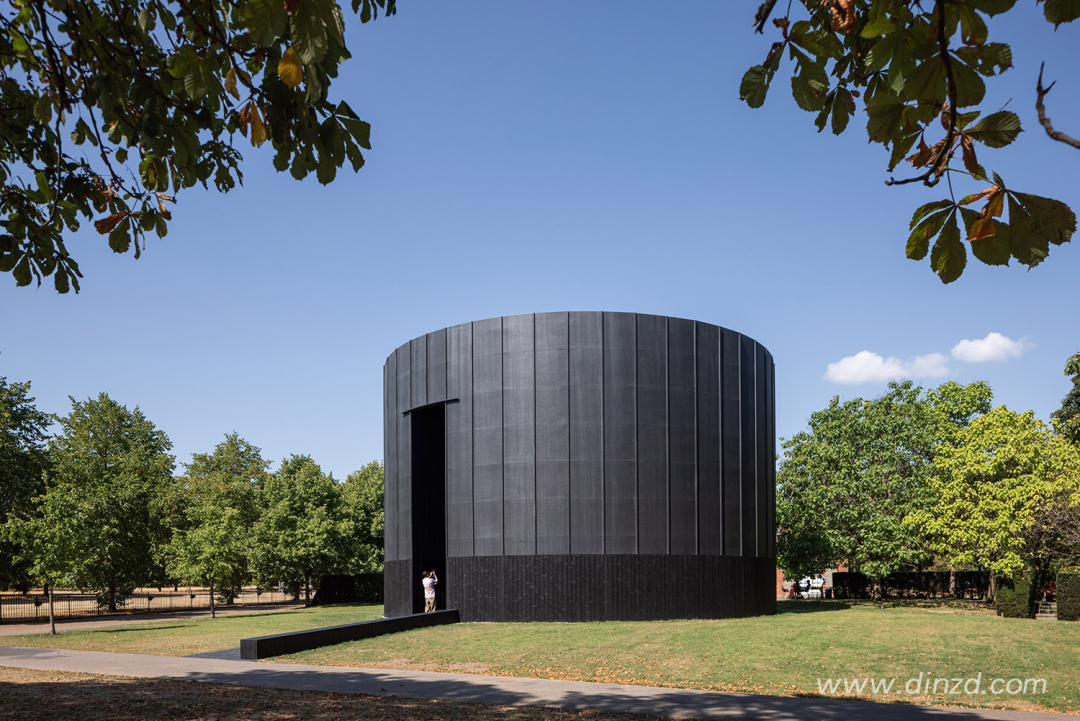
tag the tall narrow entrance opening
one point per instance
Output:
(429, 500)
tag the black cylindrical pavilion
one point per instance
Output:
(581, 466)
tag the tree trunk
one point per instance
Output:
(952, 581)
(52, 615)
(213, 614)
(990, 591)
(112, 598)
(307, 589)
(876, 593)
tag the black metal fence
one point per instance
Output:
(34, 606)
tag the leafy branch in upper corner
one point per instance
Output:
(910, 66)
(111, 107)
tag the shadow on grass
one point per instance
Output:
(808, 606)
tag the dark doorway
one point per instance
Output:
(429, 500)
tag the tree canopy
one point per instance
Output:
(212, 535)
(845, 485)
(1068, 416)
(918, 73)
(102, 523)
(304, 530)
(990, 489)
(23, 460)
(113, 107)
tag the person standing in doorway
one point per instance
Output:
(429, 582)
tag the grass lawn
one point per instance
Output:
(188, 637)
(784, 654)
(54, 695)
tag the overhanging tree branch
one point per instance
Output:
(1054, 134)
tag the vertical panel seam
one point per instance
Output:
(535, 504)
(667, 425)
(603, 439)
(502, 433)
(472, 433)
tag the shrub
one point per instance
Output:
(1013, 598)
(1068, 596)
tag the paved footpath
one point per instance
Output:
(473, 688)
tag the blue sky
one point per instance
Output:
(518, 149)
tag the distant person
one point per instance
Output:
(429, 583)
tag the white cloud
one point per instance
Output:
(994, 347)
(868, 367)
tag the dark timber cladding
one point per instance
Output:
(581, 466)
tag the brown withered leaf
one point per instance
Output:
(969, 199)
(258, 127)
(230, 83)
(970, 161)
(106, 225)
(926, 156)
(243, 118)
(984, 226)
(843, 15)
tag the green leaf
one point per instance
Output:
(43, 109)
(754, 86)
(919, 240)
(878, 27)
(1061, 11)
(308, 32)
(993, 7)
(22, 272)
(972, 27)
(1050, 218)
(901, 147)
(927, 83)
(359, 130)
(970, 88)
(119, 238)
(146, 19)
(803, 92)
(1026, 244)
(949, 256)
(160, 226)
(988, 59)
(885, 117)
(818, 42)
(195, 79)
(924, 210)
(881, 53)
(841, 110)
(266, 20)
(60, 281)
(993, 250)
(996, 130)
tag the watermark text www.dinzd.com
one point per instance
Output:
(927, 684)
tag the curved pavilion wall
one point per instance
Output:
(581, 466)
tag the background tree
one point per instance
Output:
(908, 66)
(1068, 416)
(111, 108)
(304, 530)
(23, 460)
(363, 495)
(989, 489)
(212, 543)
(105, 509)
(846, 485)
